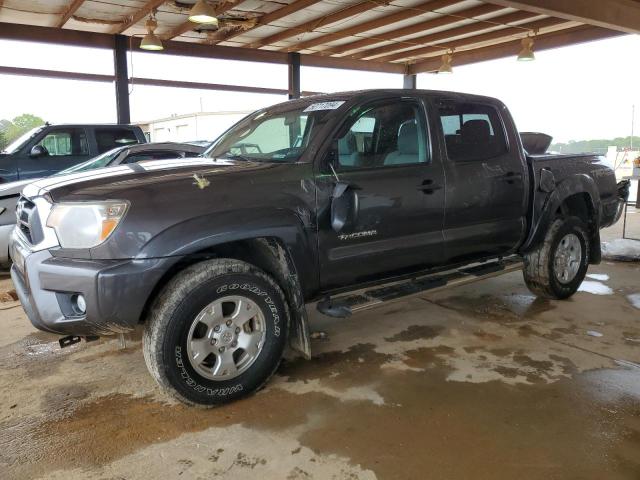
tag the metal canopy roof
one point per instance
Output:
(404, 36)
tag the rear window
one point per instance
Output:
(472, 131)
(109, 138)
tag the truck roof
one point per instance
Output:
(373, 93)
(85, 125)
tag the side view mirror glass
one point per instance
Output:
(38, 151)
(344, 207)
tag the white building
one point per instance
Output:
(191, 127)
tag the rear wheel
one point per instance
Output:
(558, 266)
(216, 333)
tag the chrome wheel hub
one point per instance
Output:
(226, 338)
(568, 258)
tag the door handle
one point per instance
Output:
(511, 177)
(428, 187)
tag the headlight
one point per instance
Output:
(85, 225)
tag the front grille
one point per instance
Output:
(28, 221)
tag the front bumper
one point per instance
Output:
(5, 235)
(115, 291)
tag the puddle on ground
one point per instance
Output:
(634, 299)
(562, 429)
(513, 307)
(595, 288)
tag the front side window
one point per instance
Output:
(384, 135)
(472, 131)
(65, 143)
(278, 134)
(108, 138)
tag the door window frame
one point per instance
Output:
(57, 128)
(445, 152)
(331, 145)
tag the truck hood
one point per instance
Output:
(108, 179)
(14, 188)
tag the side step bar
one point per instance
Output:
(346, 305)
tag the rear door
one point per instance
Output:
(486, 180)
(383, 152)
(64, 147)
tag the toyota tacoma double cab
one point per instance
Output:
(348, 200)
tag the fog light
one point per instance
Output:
(79, 304)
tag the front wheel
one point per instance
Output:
(216, 333)
(558, 266)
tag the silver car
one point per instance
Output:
(10, 192)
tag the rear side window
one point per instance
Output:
(108, 138)
(472, 131)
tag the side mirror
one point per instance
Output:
(344, 207)
(38, 151)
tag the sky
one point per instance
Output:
(574, 93)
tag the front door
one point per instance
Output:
(63, 147)
(383, 153)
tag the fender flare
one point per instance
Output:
(279, 239)
(573, 185)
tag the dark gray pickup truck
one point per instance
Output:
(349, 200)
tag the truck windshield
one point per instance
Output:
(97, 162)
(273, 135)
(17, 144)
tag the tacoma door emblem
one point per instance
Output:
(353, 236)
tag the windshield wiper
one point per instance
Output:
(231, 156)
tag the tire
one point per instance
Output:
(176, 349)
(541, 272)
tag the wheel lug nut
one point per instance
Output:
(228, 323)
(221, 349)
(237, 329)
(234, 344)
(216, 328)
(213, 341)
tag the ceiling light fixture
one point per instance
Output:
(151, 40)
(202, 12)
(446, 64)
(526, 54)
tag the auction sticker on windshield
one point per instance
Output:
(324, 106)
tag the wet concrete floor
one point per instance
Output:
(483, 382)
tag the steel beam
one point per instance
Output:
(121, 70)
(294, 75)
(55, 74)
(410, 81)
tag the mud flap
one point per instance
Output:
(595, 255)
(299, 338)
(282, 265)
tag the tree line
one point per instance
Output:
(595, 146)
(12, 129)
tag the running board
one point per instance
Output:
(346, 305)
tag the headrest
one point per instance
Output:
(347, 144)
(476, 131)
(408, 138)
